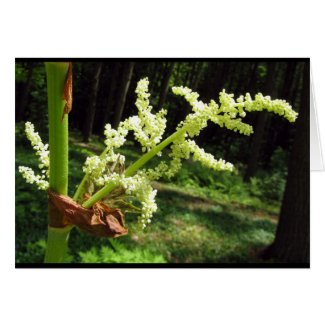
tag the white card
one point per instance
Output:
(316, 158)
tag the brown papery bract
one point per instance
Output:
(67, 92)
(100, 220)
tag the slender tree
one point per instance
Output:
(280, 130)
(187, 72)
(288, 80)
(196, 75)
(111, 93)
(251, 80)
(126, 80)
(178, 72)
(25, 91)
(257, 139)
(155, 80)
(90, 113)
(221, 76)
(291, 243)
(165, 83)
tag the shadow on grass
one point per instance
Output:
(191, 229)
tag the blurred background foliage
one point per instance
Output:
(203, 216)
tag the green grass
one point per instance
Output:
(202, 217)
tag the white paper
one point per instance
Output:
(316, 159)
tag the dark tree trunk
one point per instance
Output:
(252, 78)
(186, 81)
(126, 80)
(156, 81)
(288, 80)
(153, 73)
(233, 73)
(281, 130)
(284, 132)
(25, 91)
(165, 84)
(90, 113)
(292, 240)
(221, 77)
(193, 74)
(297, 86)
(197, 75)
(257, 139)
(111, 94)
(178, 73)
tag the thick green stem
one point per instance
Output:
(57, 244)
(132, 169)
(58, 129)
(58, 141)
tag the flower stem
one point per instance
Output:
(132, 169)
(81, 187)
(57, 244)
(58, 140)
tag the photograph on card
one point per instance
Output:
(162, 163)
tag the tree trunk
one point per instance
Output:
(153, 73)
(126, 80)
(231, 80)
(292, 240)
(192, 74)
(178, 73)
(282, 131)
(260, 127)
(25, 91)
(197, 76)
(111, 93)
(156, 80)
(251, 81)
(90, 113)
(288, 81)
(187, 72)
(221, 77)
(165, 84)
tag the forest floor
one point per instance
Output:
(202, 217)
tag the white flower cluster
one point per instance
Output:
(31, 178)
(139, 186)
(114, 138)
(41, 149)
(148, 128)
(197, 121)
(230, 112)
(101, 169)
(183, 149)
(207, 159)
(43, 156)
(228, 115)
(277, 106)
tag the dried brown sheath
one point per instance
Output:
(67, 92)
(100, 220)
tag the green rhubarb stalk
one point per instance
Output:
(58, 141)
